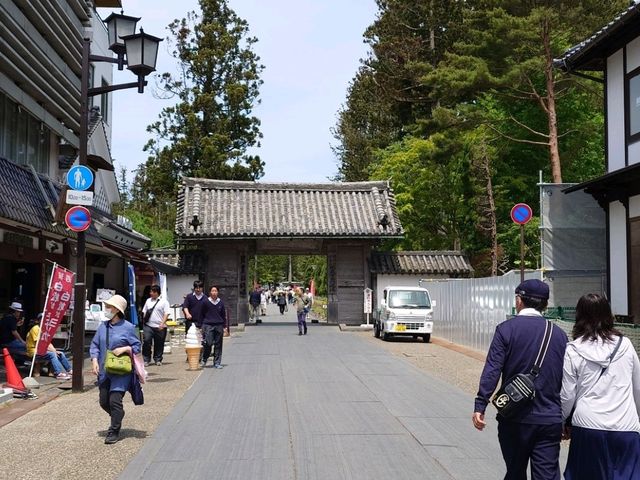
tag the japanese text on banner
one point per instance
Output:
(58, 302)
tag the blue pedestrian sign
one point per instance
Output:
(78, 219)
(80, 177)
(521, 213)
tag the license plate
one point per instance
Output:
(401, 328)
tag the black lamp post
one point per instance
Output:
(141, 52)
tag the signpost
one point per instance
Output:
(521, 213)
(80, 177)
(78, 219)
(368, 302)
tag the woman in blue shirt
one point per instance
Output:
(123, 340)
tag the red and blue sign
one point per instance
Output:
(521, 213)
(78, 219)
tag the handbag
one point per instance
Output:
(116, 365)
(135, 389)
(518, 392)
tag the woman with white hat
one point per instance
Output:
(123, 340)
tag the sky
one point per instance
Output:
(311, 49)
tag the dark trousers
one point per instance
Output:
(282, 307)
(522, 444)
(212, 338)
(111, 402)
(155, 336)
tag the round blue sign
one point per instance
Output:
(80, 177)
(78, 219)
(521, 213)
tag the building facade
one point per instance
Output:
(40, 79)
(615, 51)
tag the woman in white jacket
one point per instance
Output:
(601, 396)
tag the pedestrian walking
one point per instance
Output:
(263, 303)
(193, 305)
(213, 317)
(155, 314)
(532, 436)
(301, 302)
(282, 303)
(601, 397)
(120, 337)
(254, 304)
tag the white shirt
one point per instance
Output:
(608, 402)
(158, 313)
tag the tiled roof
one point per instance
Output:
(450, 263)
(591, 53)
(175, 262)
(22, 201)
(228, 209)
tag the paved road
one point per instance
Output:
(328, 405)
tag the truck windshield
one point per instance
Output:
(409, 299)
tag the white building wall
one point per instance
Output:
(100, 46)
(178, 286)
(634, 206)
(634, 153)
(615, 111)
(618, 258)
(633, 55)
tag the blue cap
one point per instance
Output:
(533, 289)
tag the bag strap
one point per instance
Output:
(613, 354)
(106, 326)
(151, 310)
(546, 340)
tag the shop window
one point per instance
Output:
(23, 138)
(633, 105)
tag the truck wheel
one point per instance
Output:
(426, 338)
(376, 331)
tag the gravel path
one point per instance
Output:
(452, 363)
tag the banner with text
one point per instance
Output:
(59, 298)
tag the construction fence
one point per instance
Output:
(469, 309)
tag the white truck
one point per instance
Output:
(406, 311)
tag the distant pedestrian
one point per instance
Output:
(155, 314)
(254, 304)
(263, 303)
(213, 318)
(282, 303)
(301, 302)
(532, 436)
(601, 397)
(123, 340)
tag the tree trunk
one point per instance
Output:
(493, 222)
(554, 154)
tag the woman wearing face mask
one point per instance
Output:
(123, 340)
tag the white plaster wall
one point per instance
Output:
(634, 153)
(633, 55)
(100, 46)
(618, 258)
(615, 111)
(177, 287)
(634, 206)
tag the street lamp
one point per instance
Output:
(141, 52)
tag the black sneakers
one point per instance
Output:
(112, 437)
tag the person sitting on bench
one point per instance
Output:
(9, 336)
(57, 359)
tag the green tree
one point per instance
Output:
(209, 131)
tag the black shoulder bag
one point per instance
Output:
(147, 315)
(516, 393)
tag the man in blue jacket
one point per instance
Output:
(534, 435)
